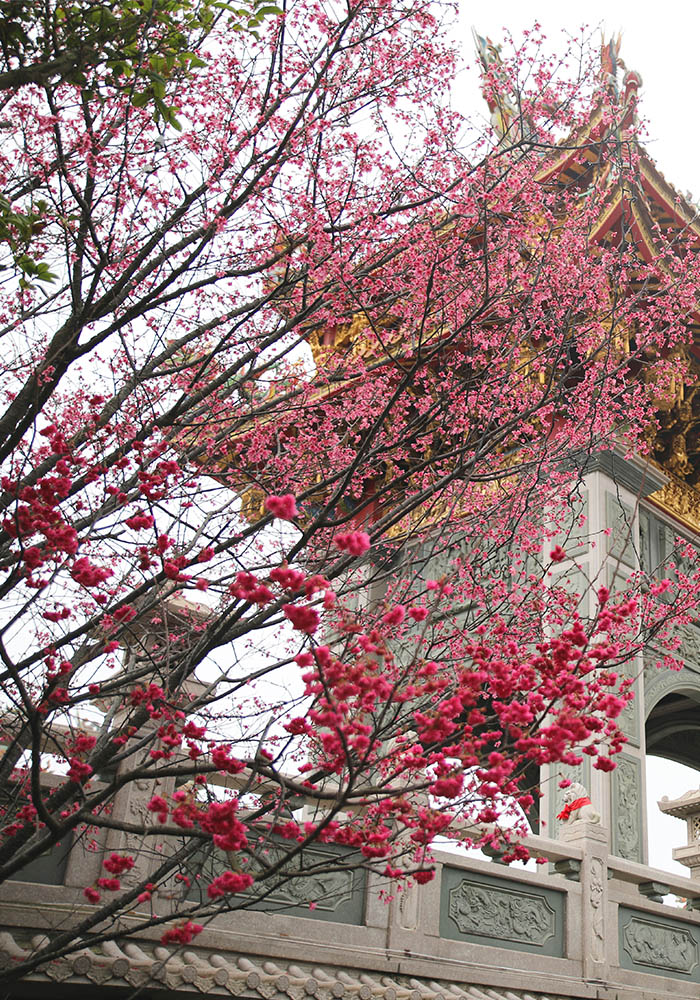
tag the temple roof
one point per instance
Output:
(640, 208)
(649, 205)
(637, 208)
(682, 807)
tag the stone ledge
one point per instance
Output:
(199, 971)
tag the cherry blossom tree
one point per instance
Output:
(290, 430)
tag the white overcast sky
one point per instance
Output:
(660, 41)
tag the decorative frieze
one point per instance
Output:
(511, 914)
(660, 681)
(501, 913)
(627, 818)
(322, 889)
(661, 946)
(597, 880)
(682, 502)
(619, 522)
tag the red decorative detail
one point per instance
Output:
(571, 807)
(632, 82)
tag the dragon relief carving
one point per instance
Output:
(626, 809)
(327, 890)
(505, 914)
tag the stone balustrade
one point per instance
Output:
(587, 924)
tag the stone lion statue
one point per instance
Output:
(577, 805)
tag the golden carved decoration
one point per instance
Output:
(253, 504)
(359, 337)
(681, 502)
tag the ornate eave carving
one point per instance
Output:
(683, 806)
(680, 501)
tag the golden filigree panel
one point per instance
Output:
(681, 502)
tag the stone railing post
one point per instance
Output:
(593, 839)
(130, 807)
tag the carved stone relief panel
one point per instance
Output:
(597, 884)
(619, 520)
(689, 650)
(645, 542)
(617, 578)
(659, 945)
(507, 913)
(626, 808)
(134, 799)
(328, 891)
(409, 907)
(501, 913)
(629, 718)
(316, 886)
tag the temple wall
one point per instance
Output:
(477, 930)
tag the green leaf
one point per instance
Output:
(43, 273)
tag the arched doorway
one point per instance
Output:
(673, 728)
(672, 741)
